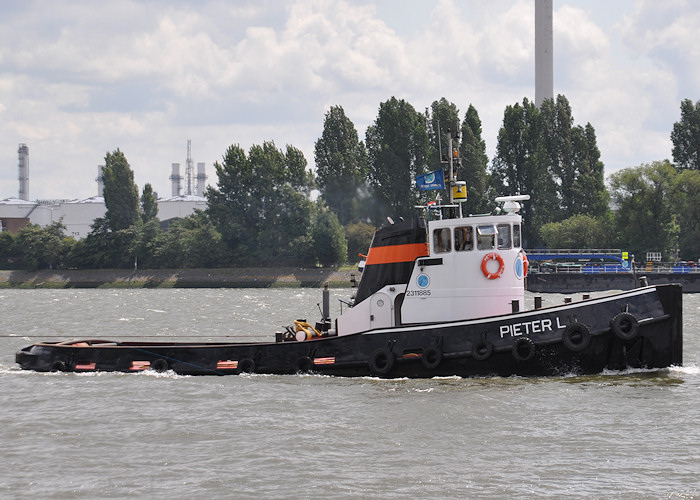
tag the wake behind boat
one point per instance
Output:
(437, 297)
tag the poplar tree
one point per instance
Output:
(120, 193)
(341, 164)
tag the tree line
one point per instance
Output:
(269, 208)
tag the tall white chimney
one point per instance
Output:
(23, 153)
(544, 52)
(175, 178)
(201, 179)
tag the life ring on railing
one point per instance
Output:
(501, 265)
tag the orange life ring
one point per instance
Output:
(485, 261)
(525, 265)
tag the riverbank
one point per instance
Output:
(179, 278)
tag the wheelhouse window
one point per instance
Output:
(485, 237)
(442, 241)
(516, 236)
(504, 239)
(464, 238)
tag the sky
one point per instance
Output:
(81, 78)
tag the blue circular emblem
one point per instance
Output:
(423, 280)
(518, 267)
(429, 178)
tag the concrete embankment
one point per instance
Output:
(178, 278)
(580, 282)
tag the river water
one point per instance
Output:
(83, 436)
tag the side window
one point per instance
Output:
(516, 236)
(442, 242)
(485, 237)
(504, 240)
(464, 238)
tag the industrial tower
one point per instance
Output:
(544, 52)
(23, 153)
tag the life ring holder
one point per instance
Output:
(501, 265)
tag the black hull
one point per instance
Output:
(640, 329)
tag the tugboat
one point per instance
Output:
(437, 297)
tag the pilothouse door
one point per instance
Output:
(380, 311)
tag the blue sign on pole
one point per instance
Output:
(433, 180)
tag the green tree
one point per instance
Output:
(685, 196)
(686, 136)
(341, 164)
(330, 247)
(474, 171)
(359, 237)
(260, 205)
(7, 248)
(644, 219)
(397, 148)
(120, 193)
(149, 205)
(580, 231)
(42, 247)
(520, 167)
(588, 192)
(444, 121)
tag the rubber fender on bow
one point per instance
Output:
(523, 349)
(482, 350)
(160, 365)
(576, 337)
(305, 365)
(431, 358)
(246, 365)
(381, 361)
(59, 366)
(625, 326)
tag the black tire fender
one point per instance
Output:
(160, 365)
(305, 365)
(59, 366)
(482, 350)
(523, 349)
(576, 337)
(381, 361)
(431, 358)
(625, 326)
(246, 365)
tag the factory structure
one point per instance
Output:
(78, 215)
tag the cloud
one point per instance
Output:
(78, 79)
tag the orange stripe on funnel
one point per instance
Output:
(396, 253)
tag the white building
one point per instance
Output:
(78, 215)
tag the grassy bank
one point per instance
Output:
(180, 278)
